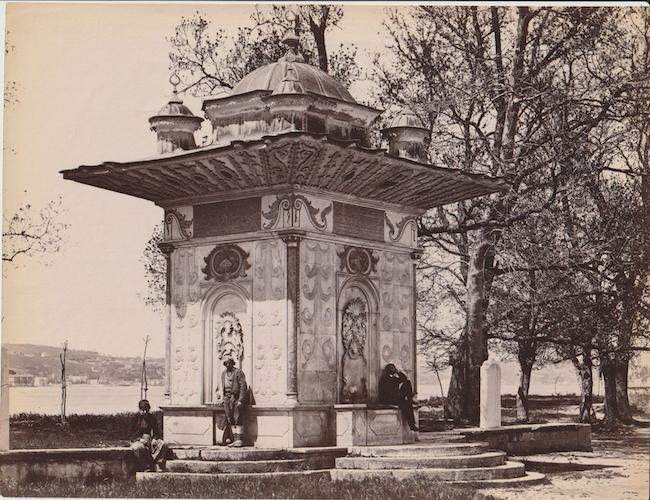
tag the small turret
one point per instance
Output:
(407, 136)
(175, 124)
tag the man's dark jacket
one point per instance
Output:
(146, 424)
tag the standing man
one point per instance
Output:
(233, 386)
(396, 389)
(149, 449)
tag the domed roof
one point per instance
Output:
(406, 118)
(175, 107)
(311, 79)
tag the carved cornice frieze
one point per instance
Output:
(355, 260)
(288, 208)
(174, 218)
(396, 231)
(289, 160)
(226, 262)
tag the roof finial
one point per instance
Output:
(175, 81)
(292, 40)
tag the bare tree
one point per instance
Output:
(207, 60)
(30, 232)
(155, 271)
(513, 92)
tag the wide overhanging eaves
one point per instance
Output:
(295, 158)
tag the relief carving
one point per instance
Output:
(307, 349)
(269, 270)
(185, 284)
(269, 291)
(268, 359)
(228, 338)
(286, 209)
(185, 366)
(317, 301)
(305, 157)
(226, 262)
(396, 268)
(176, 224)
(396, 231)
(354, 365)
(396, 307)
(329, 351)
(355, 260)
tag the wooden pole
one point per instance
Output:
(63, 381)
(143, 376)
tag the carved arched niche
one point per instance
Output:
(227, 333)
(357, 312)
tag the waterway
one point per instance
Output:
(81, 399)
(97, 399)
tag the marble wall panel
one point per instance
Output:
(396, 311)
(317, 387)
(269, 322)
(317, 338)
(186, 349)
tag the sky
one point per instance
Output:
(89, 76)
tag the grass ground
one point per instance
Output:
(370, 489)
(32, 430)
(28, 431)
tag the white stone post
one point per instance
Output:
(4, 401)
(490, 394)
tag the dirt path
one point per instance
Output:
(616, 470)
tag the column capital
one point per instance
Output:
(166, 248)
(292, 237)
(417, 253)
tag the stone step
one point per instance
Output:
(223, 453)
(208, 477)
(245, 466)
(441, 437)
(419, 450)
(488, 459)
(530, 478)
(505, 471)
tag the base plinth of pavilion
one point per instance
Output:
(276, 426)
(368, 425)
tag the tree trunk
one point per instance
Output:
(523, 414)
(622, 367)
(454, 402)
(585, 374)
(608, 371)
(463, 398)
(479, 279)
(318, 32)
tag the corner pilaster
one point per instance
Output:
(416, 255)
(292, 239)
(167, 250)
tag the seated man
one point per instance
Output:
(150, 451)
(234, 391)
(396, 389)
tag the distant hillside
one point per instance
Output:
(81, 366)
